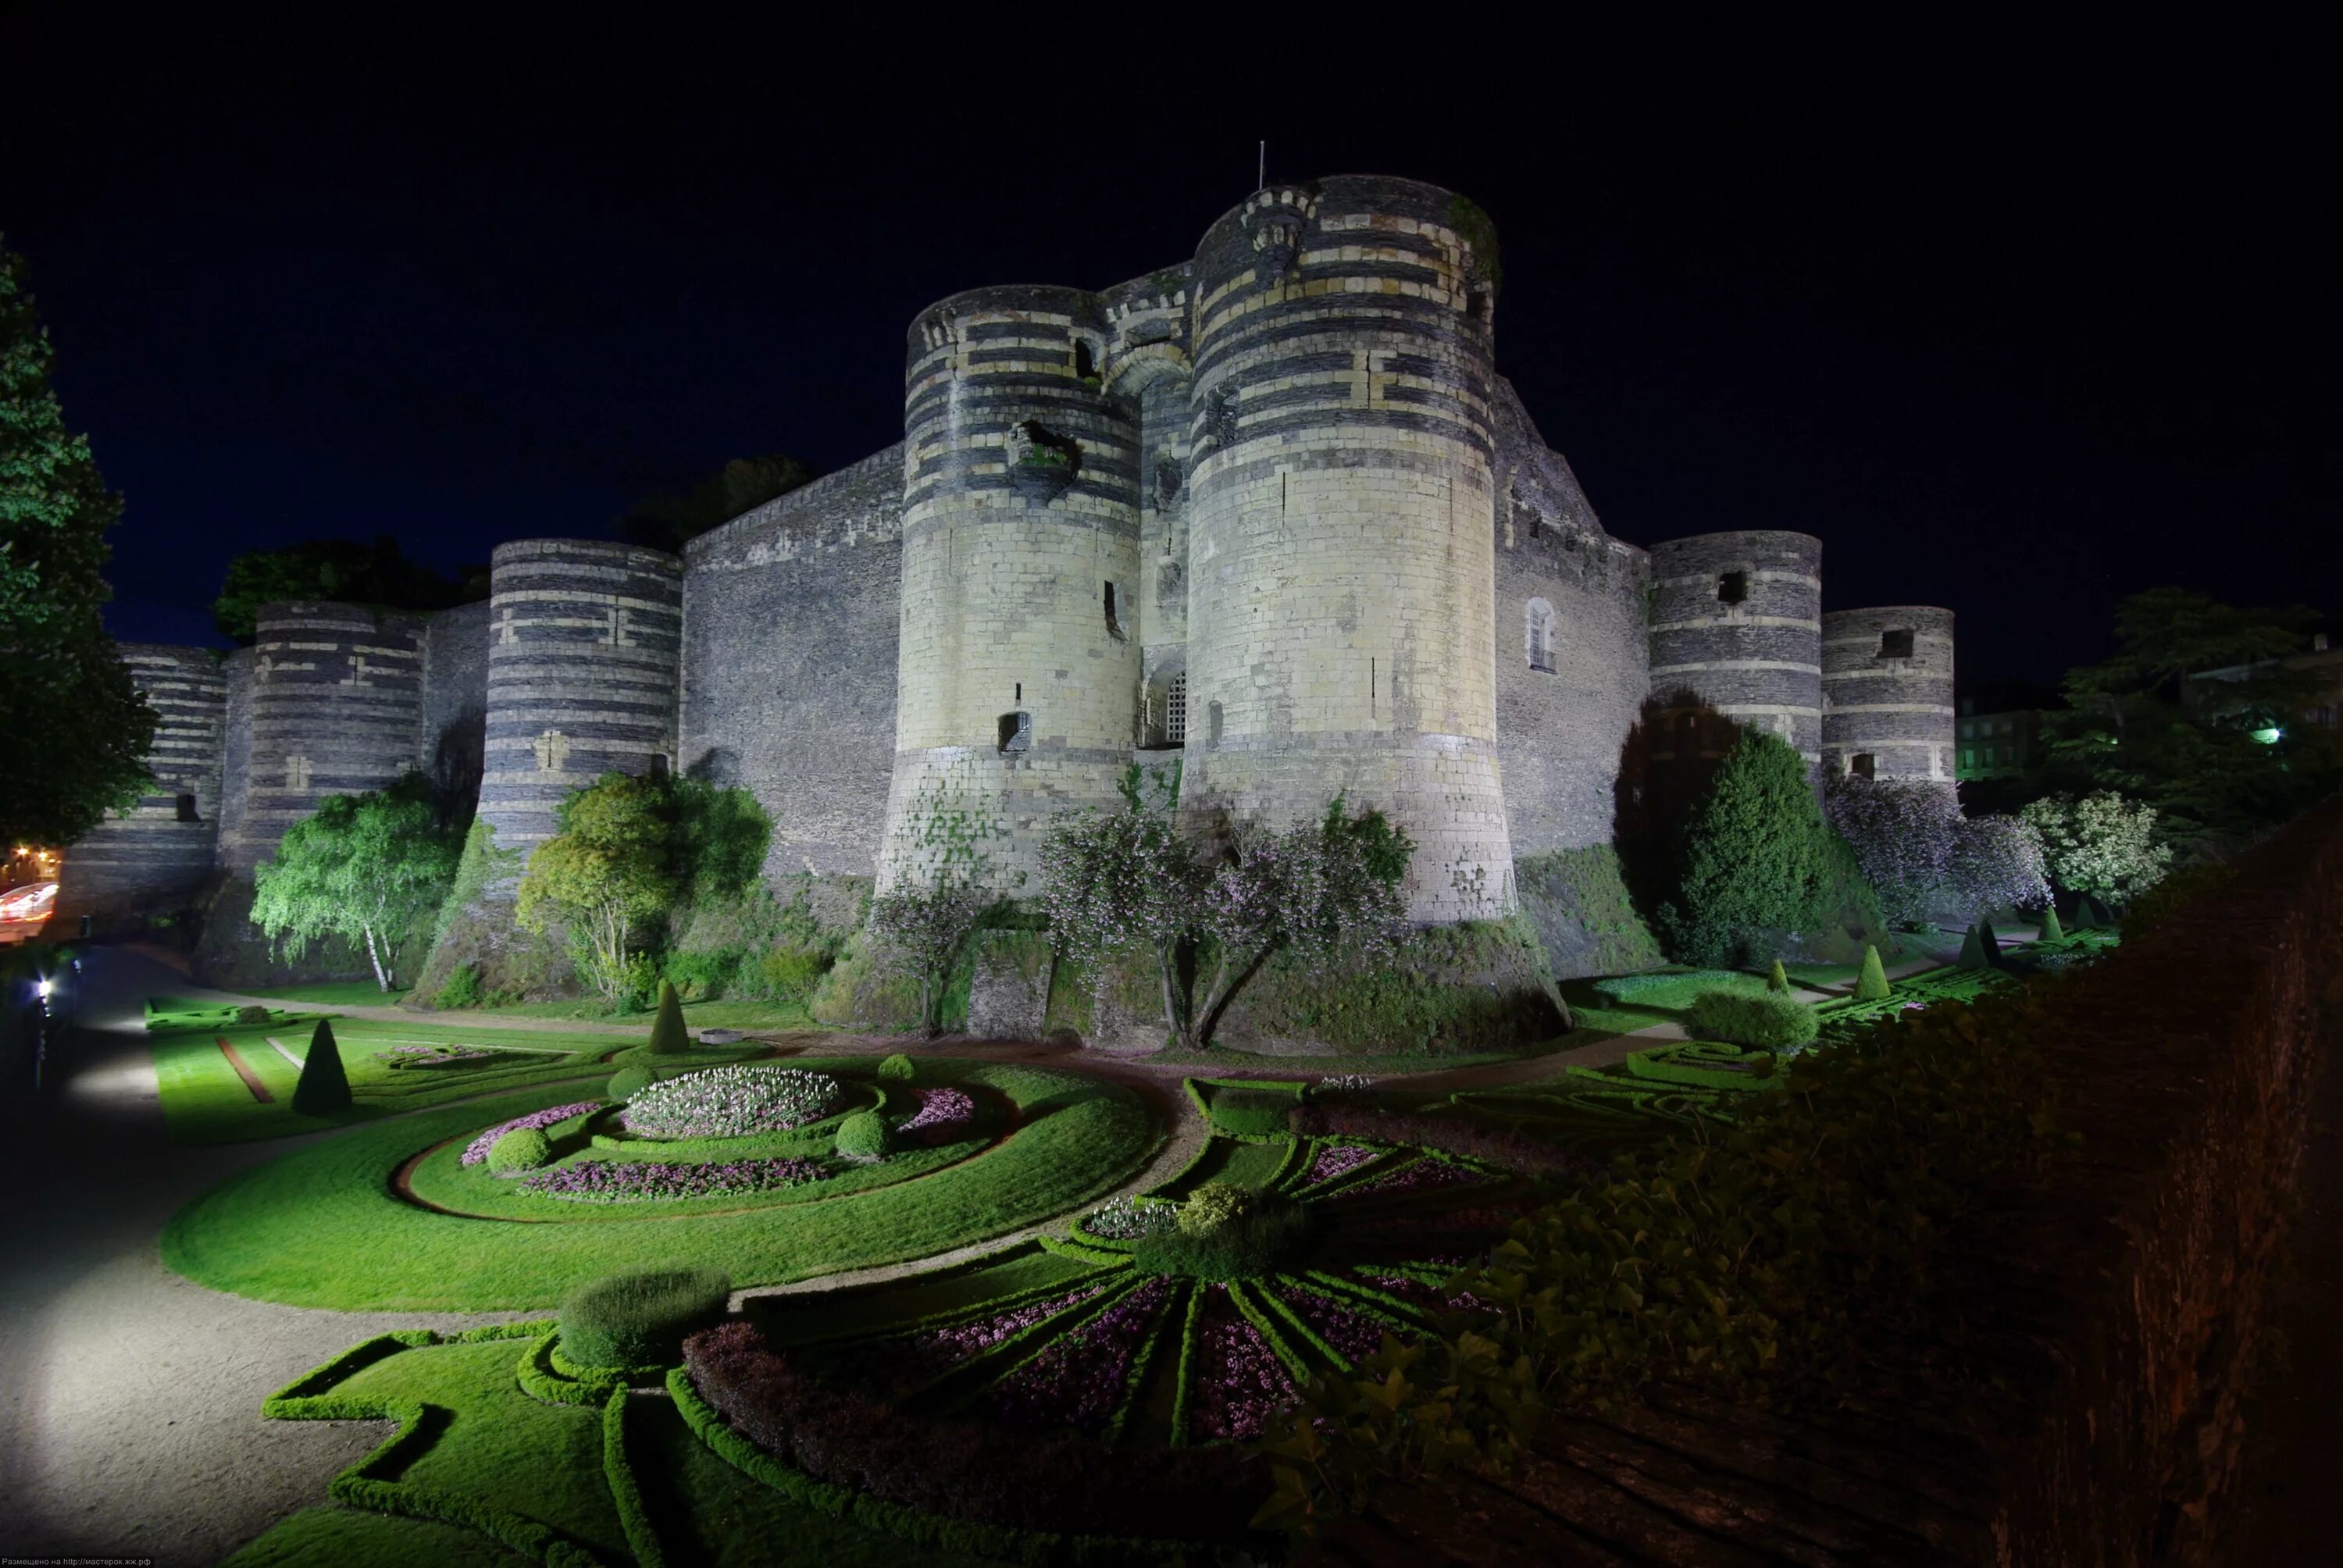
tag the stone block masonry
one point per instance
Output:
(165, 845)
(1736, 624)
(1887, 692)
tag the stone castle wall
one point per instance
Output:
(1887, 692)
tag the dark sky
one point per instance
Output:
(2016, 336)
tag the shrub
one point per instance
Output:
(667, 1034)
(1903, 832)
(1988, 945)
(1755, 856)
(1973, 951)
(323, 1085)
(463, 988)
(2052, 931)
(1997, 864)
(1778, 979)
(1252, 1112)
(1214, 1205)
(252, 1012)
(639, 1319)
(864, 1135)
(898, 1069)
(1872, 985)
(707, 971)
(628, 1082)
(2159, 903)
(522, 1149)
(790, 974)
(2102, 844)
(1235, 1239)
(1760, 1018)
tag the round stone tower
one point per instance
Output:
(1887, 692)
(165, 845)
(337, 702)
(1341, 524)
(1017, 685)
(584, 642)
(1736, 632)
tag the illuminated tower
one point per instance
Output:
(1887, 692)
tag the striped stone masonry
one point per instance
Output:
(1887, 692)
(584, 669)
(1736, 628)
(165, 845)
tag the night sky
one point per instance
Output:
(2015, 338)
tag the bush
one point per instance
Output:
(1214, 1205)
(1225, 1237)
(667, 1034)
(1759, 1019)
(252, 1012)
(704, 971)
(323, 1085)
(2160, 902)
(790, 973)
(639, 1319)
(2052, 931)
(463, 988)
(1252, 1112)
(898, 1069)
(521, 1150)
(1973, 951)
(1755, 858)
(1872, 985)
(1778, 977)
(629, 1082)
(864, 1135)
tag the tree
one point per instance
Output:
(77, 729)
(604, 874)
(323, 1085)
(1997, 864)
(360, 867)
(341, 569)
(1903, 832)
(668, 522)
(1755, 858)
(2102, 844)
(927, 924)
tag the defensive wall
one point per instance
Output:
(1888, 693)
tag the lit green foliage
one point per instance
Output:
(628, 1082)
(667, 1034)
(362, 867)
(77, 729)
(2101, 844)
(462, 990)
(1778, 980)
(639, 1319)
(1755, 858)
(2052, 931)
(521, 1150)
(341, 569)
(324, 1086)
(1761, 1018)
(1232, 1239)
(863, 1135)
(898, 1069)
(720, 839)
(1214, 1205)
(1872, 984)
(604, 874)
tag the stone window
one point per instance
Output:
(1114, 627)
(1016, 731)
(187, 804)
(1895, 643)
(1539, 633)
(1175, 710)
(1733, 588)
(1085, 361)
(1861, 765)
(1212, 724)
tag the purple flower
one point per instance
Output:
(1357, 1337)
(730, 1102)
(1419, 1174)
(940, 1109)
(1077, 1381)
(477, 1149)
(628, 1181)
(1240, 1383)
(1336, 1159)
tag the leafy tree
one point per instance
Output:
(605, 874)
(928, 923)
(341, 569)
(1903, 832)
(1997, 864)
(668, 522)
(323, 1085)
(2101, 844)
(361, 866)
(721, 837)
(77, 728)
(1755, 858)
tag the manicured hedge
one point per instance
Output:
(625, 1489)
(1762, 1019)
(522, 1149)
(864, 1135)
(639, 1319)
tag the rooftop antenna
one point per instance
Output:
(1261, 172)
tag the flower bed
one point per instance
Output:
(632, 1182)
(1240, 1383)
(730, 1102)
(476, 1151)
(1129, 1219)
(1353, 1334)
(399, 1057)
(942, 1112)
(1080, 1379)
(934, 1350)
(1336, 1159)
(1418, 1175)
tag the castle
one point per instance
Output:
(1270, 512)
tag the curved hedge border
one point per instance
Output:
(363, 1485)
(1037, 1548)
(626, 1487)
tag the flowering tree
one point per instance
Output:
(1996, 863)
(1903, 832)
(2101, 844)
(927, 924)
(361, 866)
(1129, 879)
(607, 871)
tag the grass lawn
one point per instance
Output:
(326, 994)
(723, 1013)
(322, 1226)
(206, 1101)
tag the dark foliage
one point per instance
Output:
(1766, 1019)
(340, 570)
(668, 522)
(1496, 1145)
(1272, 1229)
(323, 1085)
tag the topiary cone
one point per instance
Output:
(1779, 980)
(323, 1086)
(1972, 952)
(667, 1033)
(1988, 945)
(2052, 931)
(1872, 985)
